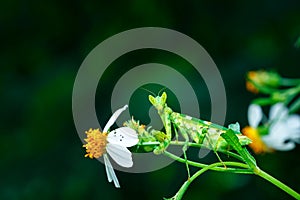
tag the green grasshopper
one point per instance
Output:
(200, 131)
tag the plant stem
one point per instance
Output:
(216, 167)
(246, 169)
(295, 106)
(191, 144)
(291, 93)
(243, 169)
(289, 82)
(186, 184)
(278, 183)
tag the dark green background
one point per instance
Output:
(43, 45)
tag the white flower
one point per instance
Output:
(284, 129)
(255, 115)
(114, 143)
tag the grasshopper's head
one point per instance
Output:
(158, 102)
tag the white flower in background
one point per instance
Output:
(255, 116)
(114, 143)
(283, 132)
(284, 129)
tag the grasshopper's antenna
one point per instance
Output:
(162, 89)
(148, 91)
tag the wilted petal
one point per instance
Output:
(254, 115)
(113, 118)
(120, 154)
(123, 136)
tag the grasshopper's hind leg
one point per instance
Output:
(184, 149)
(214, 147)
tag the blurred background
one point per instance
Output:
(43, 45)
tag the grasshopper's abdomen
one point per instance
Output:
(197, 129)
(203, 132)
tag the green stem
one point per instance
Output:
(191, 144)
(291, 93)
(186, 184)
(289, 81)
(278, 183)
(295, 106)
(149, 143)
(216, 167)
(246, 169)
(264, 101)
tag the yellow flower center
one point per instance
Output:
(96, 143)
(257, 145)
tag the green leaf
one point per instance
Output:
(233, 140)
(264, 101)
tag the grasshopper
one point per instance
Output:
(200, 131)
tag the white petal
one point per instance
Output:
(254, 115)
(113, 118)
(277, 144)
(293, 122)
(295, 138)
(111, 176)
(123, 136)
(279, 137)
(287, 146)
(120, 154)
(278, 129)
(278, 112)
